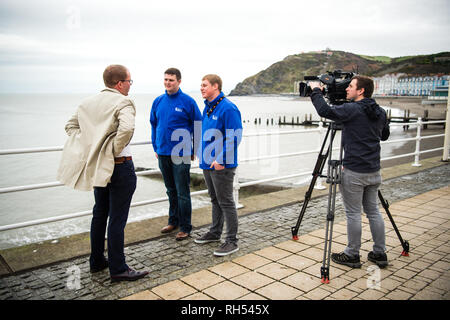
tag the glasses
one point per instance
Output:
(130, 81)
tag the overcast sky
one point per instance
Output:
(64, 45)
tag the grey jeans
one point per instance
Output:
(220, 189)
(362, 189)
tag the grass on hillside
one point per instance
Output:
(382, 59)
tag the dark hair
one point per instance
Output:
(213, 79)
(364, 83)
(174, 71)
(113, 74)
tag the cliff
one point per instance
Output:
(280, 76)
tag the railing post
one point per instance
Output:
(236, 188)
(445, 153)
(418, 137)
(319, 185)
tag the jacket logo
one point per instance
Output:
(178, 109)
(214, 117)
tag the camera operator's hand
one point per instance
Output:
(316, 84)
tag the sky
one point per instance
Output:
(63, 46)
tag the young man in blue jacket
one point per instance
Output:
(221, 135)
(364, 125)
(172, 120)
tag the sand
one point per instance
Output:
(414, 104)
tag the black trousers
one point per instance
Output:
(113, 202)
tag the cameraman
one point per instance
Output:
(364, 125)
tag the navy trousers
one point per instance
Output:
(113, 202)
(177, 179)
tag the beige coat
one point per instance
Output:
(99, 130)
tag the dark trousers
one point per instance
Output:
(177, 179)
(220, 189)
(112, 201)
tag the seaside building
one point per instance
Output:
(387, 84)
(434, 87)
(440, 91)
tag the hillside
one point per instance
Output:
(280, 77)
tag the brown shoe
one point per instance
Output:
(181, 236)
(168, 228)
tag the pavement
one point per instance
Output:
(269, 264)
(291, 269)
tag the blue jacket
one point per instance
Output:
(364, 125)
(169, 113)
(221, 134)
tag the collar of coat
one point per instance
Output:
(111, 90)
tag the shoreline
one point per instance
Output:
(414, 104)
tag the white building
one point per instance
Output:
(402, 85)
(387, 84)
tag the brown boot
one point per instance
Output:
(167, 229)
(181, 236)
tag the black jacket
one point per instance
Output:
(364, 125)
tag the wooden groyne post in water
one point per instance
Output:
(407, 118)
(307, 121)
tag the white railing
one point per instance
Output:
(237, 185)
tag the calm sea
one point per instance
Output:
(38, 120)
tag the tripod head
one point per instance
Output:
(336, 125)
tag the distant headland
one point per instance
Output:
(281, 76)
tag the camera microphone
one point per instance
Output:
(309, 78)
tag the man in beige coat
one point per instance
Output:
(97, 156)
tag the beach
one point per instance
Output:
(414, 105)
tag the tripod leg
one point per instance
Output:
(325, 269)
(333, 180)
(320, 163)
(405, 244)
(316, 174)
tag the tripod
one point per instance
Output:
(333, 179)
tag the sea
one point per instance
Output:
(38, 120)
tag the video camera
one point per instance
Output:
(335, 84)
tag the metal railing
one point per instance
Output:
(237, 185)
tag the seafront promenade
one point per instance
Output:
(269, 265)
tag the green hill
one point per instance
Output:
(280, 77)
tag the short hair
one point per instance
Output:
(364, 83)
(113, 74)
(213, 79)
(174, 71)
